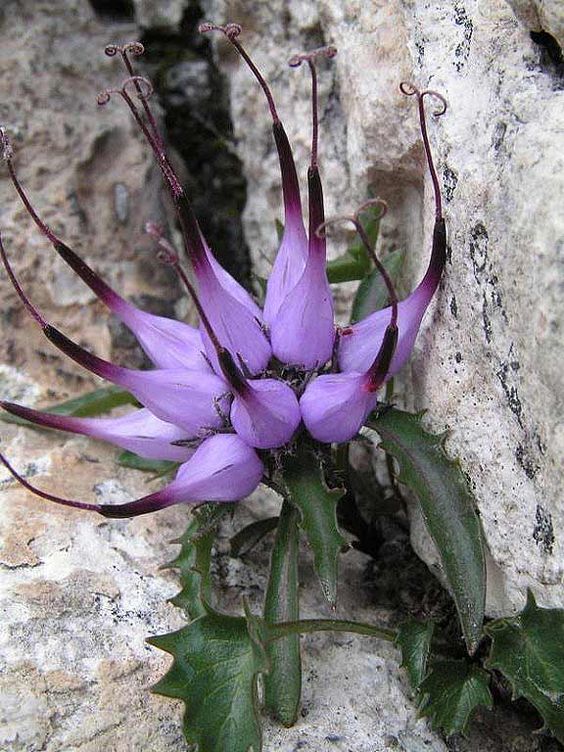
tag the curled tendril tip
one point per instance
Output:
(231, 30)
(409, 89)
(309, 57)
(133, 48)
(143, 90)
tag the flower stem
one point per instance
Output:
(282, 684)
(305, 626)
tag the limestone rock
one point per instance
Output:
(162, 16)
(486, 361)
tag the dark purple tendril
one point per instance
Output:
(136, 49)
(310, 58)
(363, 235)
(410, 90)
(378, 371)
(232, 32)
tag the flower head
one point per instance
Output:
(247, 382)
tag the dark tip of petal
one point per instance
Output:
(316, 209)
(438, 255)
(231, 372)
(87, 360)
(379, 371)
(290, 184)
(32, 310)
(151, 503)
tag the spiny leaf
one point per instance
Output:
(318, 516)
(529, 650)
(372, 293)
(94, 403)
(452, 692)
(448, 508)
(135, 462)
(194, 560)
(217, 659)
(283, 683)
(414, 640)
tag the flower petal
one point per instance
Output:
(291, 258)
(193, 400)
(335, 406)
(266, 413)
(303, 332)
(139, 431)
(359, 343)
(233, 315)
(168, 343)
(223, 468)
(237, 326)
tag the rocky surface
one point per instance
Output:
(486, 361)
(80, 595)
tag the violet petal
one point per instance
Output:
(292, 255)
(190, 399)
(223, 468)
(139, 431)
(335, 406)
(168, 343)
(303, 332)
(360, 343)
(266, 415)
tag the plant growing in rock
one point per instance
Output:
(274, 394)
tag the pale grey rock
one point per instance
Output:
(486, 361)
(164, 15)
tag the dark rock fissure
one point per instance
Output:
(552, 57)
(113, 10)
(194, 96)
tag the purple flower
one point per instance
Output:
(248, 382)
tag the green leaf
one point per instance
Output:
(414, 640)
(452, 692)
(135, 462)
(355, 263)
(372, 293)
(348, 268)
(217, 659)
(317, 505)
(279, 229)
(247, 538)
(94, 403)
(448, 508)
(194, 561)
(283, 683)
(529, 650)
